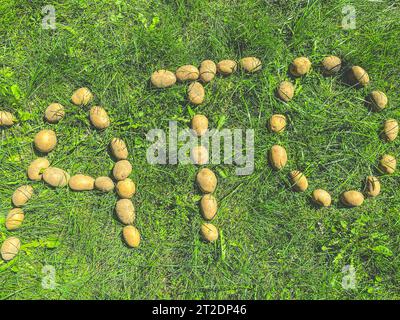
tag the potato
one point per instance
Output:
(104, 184)
(226, 67)
(187, 72)
(300, 66)
(199, 155)
(10, 248)
(388, 163)
(208, 206)
(278, 157)
(277, 123)
(299, 181)
(331, 65)
(206, 180)
(54, 113)
(250, 64)
(6, 119)
(209, 232)
(119, 149)
(208, 70)
(122, 169)
(200, 124)
(36, 168)
(80, 182)
(378, 100)
(99, 117)
(55, 177)
(125, 211)
(126, 188)
(285, 91)
(358, 76)
(45, 141)
(321, 197)
(391, 129)
(131, 236)
(14, 219)
(373, 186)
(352, 198)
(82, 96)
(163, 79)
(21, 195)
(196, 93)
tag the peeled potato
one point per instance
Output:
(119, 149)
(196, 93)
(378, 100)
(208, 69)
(21, 195)
(321, 197)
(278, 157)
(45, 141)
(388, 163)
(199, 155)
(226, 67)
(10, 248)
(331, 65)
(373, 186)
(187, 72)
(208, 206)
(163, 78)
(99, 117)
(391, 129)
(250, 64)
(14, 219)
(352, 198)
(285, 91)
(300, 66)
(209, 232)
(299, 181)
(122, 169)
(82, 96)
(55, 177)
(200, 124)
(131, 236)
(54, 113)
(277, 123)
(206, 180)
(126, 188)
(80, 182)
(104, 184)
(125, 211)
(6, 119)
(358, 76)
(37, 167)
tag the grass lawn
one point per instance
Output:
(274, 244)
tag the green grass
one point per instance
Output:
(274, 243)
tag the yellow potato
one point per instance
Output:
(126, 188)
(10, 248)
(163, 79)
(378, 100)
(388, 164)
(119, 149)
(321, 197)
(99, 117)
(131, 236)
(14, 219)
(199, 155)
(82, 96)
(352, 198)
(187, 72)
(200, 124)
(285, 91)
(54, 113)
(391, 129)
(206, 180)
(122, 169)
(104, 184)
(331, 65)
(300, 66)
(209, 232)
(251, 64)
(125, 211)
(208, 206)
(226, 67)
(277, 123)
(45, 141)
(36, 168)
(278, 157)
(299, 181)
(21, 195)
(373, 186)
(358, 76)
(196, 93)
(208, 70)
(80, 182)
(6, 119)
(55, 177)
